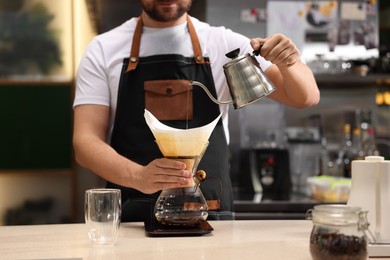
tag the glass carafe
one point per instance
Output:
(185, 205)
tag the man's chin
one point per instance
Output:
(166, 17)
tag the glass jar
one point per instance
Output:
(339, 232)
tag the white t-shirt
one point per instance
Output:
(100, 67)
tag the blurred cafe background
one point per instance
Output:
(283, 160)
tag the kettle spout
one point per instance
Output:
(196, 83)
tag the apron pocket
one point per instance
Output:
(169, 99)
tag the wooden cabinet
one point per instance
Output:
(37, 176)
(36, 160)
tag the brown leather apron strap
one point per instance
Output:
(134, 54)
(195, 42)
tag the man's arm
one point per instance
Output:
(294, 81)
(93, 153)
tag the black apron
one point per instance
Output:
(133, 139)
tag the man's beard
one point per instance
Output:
(162, 16)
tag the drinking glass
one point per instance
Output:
(102, 215)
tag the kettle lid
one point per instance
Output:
(233, 54)
(235, 58)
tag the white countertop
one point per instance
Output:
(253, 239)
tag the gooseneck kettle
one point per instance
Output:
(246, 81)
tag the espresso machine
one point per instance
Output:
(266, 171)
(264, 158)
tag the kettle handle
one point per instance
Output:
(196, 83)
(257, 52)
(234, 54)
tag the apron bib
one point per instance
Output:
(133, 139)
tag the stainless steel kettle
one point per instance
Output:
(246, 80)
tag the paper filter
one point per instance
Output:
(174, 142)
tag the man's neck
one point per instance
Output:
(149, 22)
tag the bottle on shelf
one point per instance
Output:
(368, 140)
(359, 141)
(342, 160)
(354, 152)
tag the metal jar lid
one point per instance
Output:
(335, 214)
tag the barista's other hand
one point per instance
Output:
(278, 49)
(161, 174)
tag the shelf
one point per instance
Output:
(31, 82)
(251, 206)
(351, 80)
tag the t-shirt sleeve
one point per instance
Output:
(92, 86)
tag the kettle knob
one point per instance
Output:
(233, 54)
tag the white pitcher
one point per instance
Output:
(371, 191)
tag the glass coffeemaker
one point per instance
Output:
(183, 206)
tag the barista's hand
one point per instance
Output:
(161, 174)
(278, 49)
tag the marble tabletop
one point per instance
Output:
(240, 239)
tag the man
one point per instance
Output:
(164, 44)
